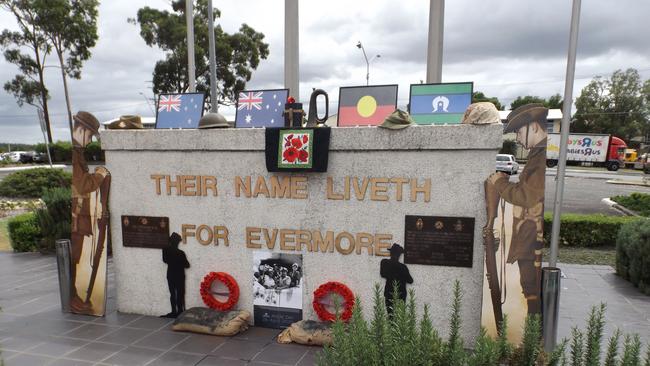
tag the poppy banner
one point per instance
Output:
(366, 105)
(297, 149)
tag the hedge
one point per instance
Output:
(61, 151)
(637, 202)
(586, 231)
(24, 232)
(31, 183)
(633, 254)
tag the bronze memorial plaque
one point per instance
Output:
(439, 240)
(145, 231)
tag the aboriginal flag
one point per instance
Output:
(366, 105)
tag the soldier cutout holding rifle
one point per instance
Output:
(87, 234)
(527, 198)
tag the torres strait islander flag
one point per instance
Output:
(366, 105)
(439, 103)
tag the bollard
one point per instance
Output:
(63, 263)
(550, 306)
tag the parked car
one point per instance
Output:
(13, 156)
(506, 163)
(27, 157)
(40, 157)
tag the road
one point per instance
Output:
(584, 195)
(583, 189)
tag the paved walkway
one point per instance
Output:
(33, 331)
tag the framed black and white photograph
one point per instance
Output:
(277, 289)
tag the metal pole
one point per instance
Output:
(550, 305)
(367, 64)
(213, 61)
(291, 54)
(436, 36)
(551, 289)
(564, 131)
(63, 264)
(191, 72)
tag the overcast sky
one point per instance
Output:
(506, 47)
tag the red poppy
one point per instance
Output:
(305, 138)
(290, 154)
(296, 143)
(339, 289)
(208, 297)
(303, 156)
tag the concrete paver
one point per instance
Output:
(33, 331)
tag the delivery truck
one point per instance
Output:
(588, 149)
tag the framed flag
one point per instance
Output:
(366, 105)
(434, 104)
(261, 108)
(180, 110)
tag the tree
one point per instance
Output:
(480, 97)
(553, 102)
(237, 54)
(71, 28)
(28, 86)
(614, 106)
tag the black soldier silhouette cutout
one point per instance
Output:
(176, 264)
(394, 272)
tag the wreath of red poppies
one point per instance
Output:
(208, 297)
(338, 288)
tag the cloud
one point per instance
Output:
(508, 48)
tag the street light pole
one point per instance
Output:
(365, 56)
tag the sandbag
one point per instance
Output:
(307, 332)
(213, 322)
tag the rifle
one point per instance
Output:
(102, 225)
(492, 207)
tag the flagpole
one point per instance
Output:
(551, 274)
(291, 54)
(212, 119)
(436, 36)
(191, 73)
(214, 105)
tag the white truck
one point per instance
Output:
(595, 149)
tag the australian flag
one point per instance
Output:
(180, 110)
(261, 108)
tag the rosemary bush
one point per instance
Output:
(403, 339)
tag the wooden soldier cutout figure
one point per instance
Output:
(527, 198)
(394, 272)
(176, 264)
(89, 221)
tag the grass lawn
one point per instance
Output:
(603, 255)
(4, 235)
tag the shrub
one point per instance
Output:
(59, 151)
(402, 340)
(55, 218)
(586, 231)
(637, 202)
(24, 232)
(633, 254)
(509, 147)
(94, 152)
(31, 183)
